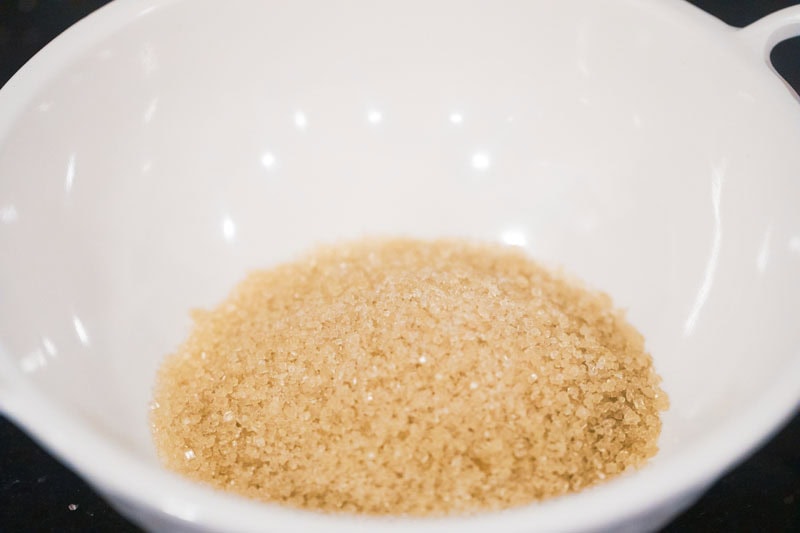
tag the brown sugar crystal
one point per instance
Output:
(404, 377)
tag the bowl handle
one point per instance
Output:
(762, 35)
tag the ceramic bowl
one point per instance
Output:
(159, 149)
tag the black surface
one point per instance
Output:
(38, 494)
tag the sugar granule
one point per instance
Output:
(405, 377)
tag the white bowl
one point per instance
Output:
(160, 148)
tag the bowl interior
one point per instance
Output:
(151, 164)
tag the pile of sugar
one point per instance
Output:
(408, 377)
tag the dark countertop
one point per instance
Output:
(38, 494)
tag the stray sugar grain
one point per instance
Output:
(405, 377)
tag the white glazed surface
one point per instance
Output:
(645, 146)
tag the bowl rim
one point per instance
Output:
(119, 473)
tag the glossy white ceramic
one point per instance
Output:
(160, 148)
